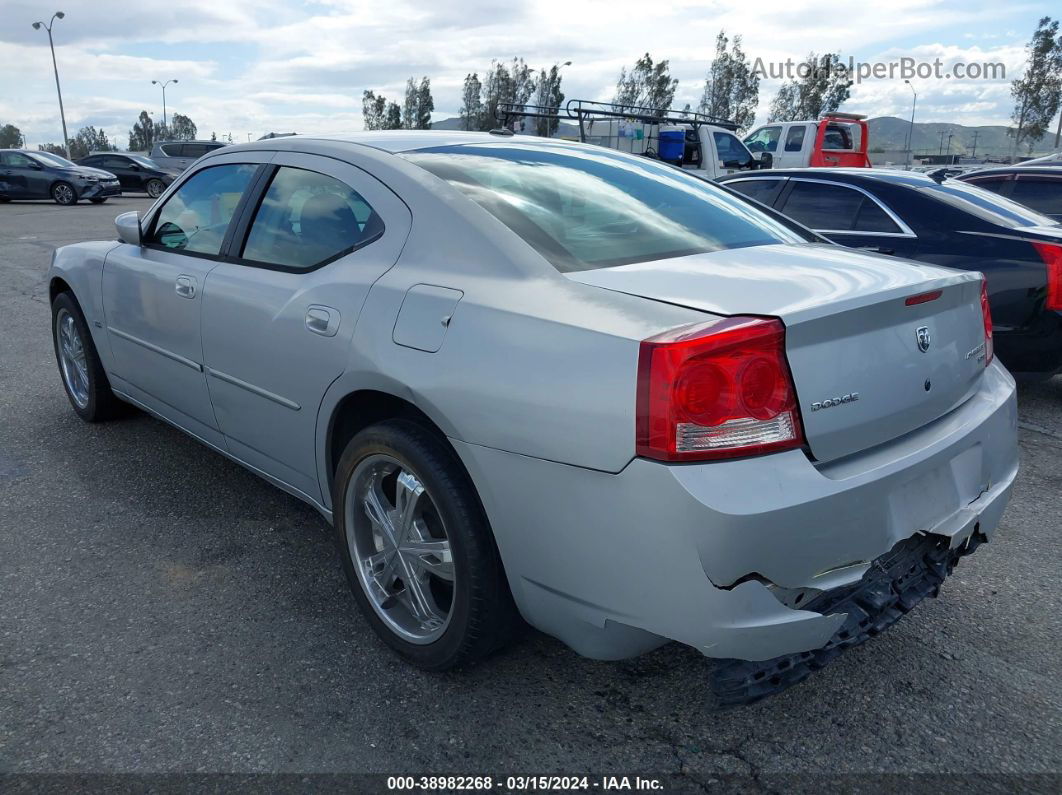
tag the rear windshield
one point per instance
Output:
(986, 205)
(583, 207)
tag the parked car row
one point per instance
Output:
(530, 378)
(30, 174)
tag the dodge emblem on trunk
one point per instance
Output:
(922, 335)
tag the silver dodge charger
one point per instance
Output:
(528, 378)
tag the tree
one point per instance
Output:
(373, 110)
(409, 105)
(89, 139)
(731, 88)
(55, 149)
(425, 104)
(11, 137)
(549, 96)
(646, 85)
(182, 128)
(496, 90)
(142, 136)
(822, 85)
(393, 119)
(1036, 94)
(471, 104)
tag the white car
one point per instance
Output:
(524, 377)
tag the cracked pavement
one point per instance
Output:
(163, 610)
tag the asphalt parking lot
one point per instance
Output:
(163, 610)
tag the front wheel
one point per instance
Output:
(417, 549)
(64, 193)
(154, 188)
(82, 372)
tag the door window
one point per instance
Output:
(764, 139)
(821, 206)
(307, 219)
(194, 150)
(15, 159)
(761, 190)
(112, 162)
(195, 218)
(838, 136)
(1041, 193)
(872, 218)
(794, 139)
(730, 149)
(994, 184)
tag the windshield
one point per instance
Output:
(986, 205)
(147, 162)
(584, 207)
(48, 159)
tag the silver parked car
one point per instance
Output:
(178, 155)
(525, 377)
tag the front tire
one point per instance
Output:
(64, 193)
(417, 548)
(84, 379)
(154, 188)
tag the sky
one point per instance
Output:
(247, 67)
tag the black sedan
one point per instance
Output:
(944, 222)
(135, 172)
(1037, 187)
(25, 174)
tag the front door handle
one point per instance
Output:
(323, 320)
(185, 286)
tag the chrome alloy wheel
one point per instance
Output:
(72, 358)
(155, 188)
(63, 193)
(399, 547)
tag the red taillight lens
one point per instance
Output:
(716, 390)
(1051, 254)
(987, 316)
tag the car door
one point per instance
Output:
(796, 140)
(121, 167)
(847, 214)
(12, 179)
(27, 178)
(153, 294)
(279, 317)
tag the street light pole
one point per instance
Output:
(910, 131)
(55, 68)
(161, 84)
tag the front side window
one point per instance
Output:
(588, 207)
(306, 219)
(764, 139)
(112, 162)
(794, 139)
(48, 159)
(821, 206)
(730, 148)
(194, 220)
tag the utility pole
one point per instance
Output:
(910, 130)
(977, 134)
(942, 134)
(62, 113)
(165, 121)
(1058, 132)
(949, 143)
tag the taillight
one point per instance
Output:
(716, 390)
(1051, 254)
(986, 315)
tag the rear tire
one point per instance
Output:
(461, 609)
(154, 188)
(64, 193)
(80, 369)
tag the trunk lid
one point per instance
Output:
(852, 342)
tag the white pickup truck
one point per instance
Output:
(704, 145)
(835, 140)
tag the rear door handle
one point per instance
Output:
(323, 320)
(185, 286)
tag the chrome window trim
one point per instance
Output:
(905, 230)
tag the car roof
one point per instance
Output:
(197, 141)
(888, 175)
(1044, 168)
(395, 141)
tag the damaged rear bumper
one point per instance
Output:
(730, 556)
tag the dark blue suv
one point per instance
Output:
(25, 174)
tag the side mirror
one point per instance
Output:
(766, 160)
(128, 226)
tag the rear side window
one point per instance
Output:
(794, 139)
(985, 205)
(584, 207)
(994, 184)
(195, 218)
(1043, 194)
(821, 206)
(195, 150)
(872, 218)
(307, 219)
(16, 159)
(172, 150)
(762, 190)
